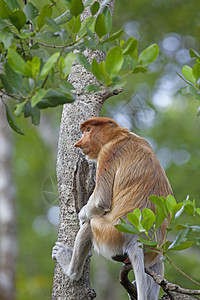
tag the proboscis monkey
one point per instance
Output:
(128, 172)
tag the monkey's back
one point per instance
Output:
(138, 175)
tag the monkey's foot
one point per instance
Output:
(62, 254)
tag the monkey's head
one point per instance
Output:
(96, 132)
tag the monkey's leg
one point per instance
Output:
(152, 287)
(72, 261)
(136, 256)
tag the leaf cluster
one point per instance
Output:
(192, 77)
(145, 224)
(37, 53)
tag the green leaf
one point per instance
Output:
(170, 203)
(65, 88)
(188, 74)
(6, 84)
(139, 69)
(13, 4)
(92, 88)
(149, 55)
(32, 112)
(15, 80)
(147, 242)
(67, 3)
(88, 23)
(18, 19)
(19, 108)
(30, 11)
(46, 12)
(83, 61)
(177, 210)
(11, 121)
(197, 210)
(76, 7)
(100, 26)
(63, 18)
(161, 210)
(189, 209)
(35, 66)
(99, 70)
(49, 65)
(108, 18)
(114, 61)
(137, 213)
(52, 24)
(127, 228)
(55, 98)
(15, 61)
(180, 227)
(182, 246)
(4, 24)
(68, 61)
(181, 238)
(113, 36)
(194, 53)
(160, 202)
(131, 44)
(94, 8)
(4, 10)
(148, 219)
(196, 71)
(133, 219)
(192, 227)
(38, 96)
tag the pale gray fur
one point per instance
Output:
(72, 262)
(92, 209)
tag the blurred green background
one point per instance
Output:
(152, 106)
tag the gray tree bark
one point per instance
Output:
(8, 241)
(75, 175)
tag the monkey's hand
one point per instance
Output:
(83, 215)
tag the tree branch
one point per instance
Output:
(165, 285)
(168, 286)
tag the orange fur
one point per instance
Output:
(128, 173)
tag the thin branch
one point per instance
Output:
(165, 285)
(168, 286)
(123, 279)
(180, 271)
(59, 47)
(50, 46)
(109, 93)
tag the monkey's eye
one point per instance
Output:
(88, 129)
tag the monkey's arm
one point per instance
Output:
(100, 201)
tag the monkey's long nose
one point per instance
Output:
(78, 144)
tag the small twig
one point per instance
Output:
(109, 93)
(50, 46)
(180, 271)
(59, 47)
(168, 286)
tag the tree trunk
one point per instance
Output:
(75, 175)
(8, 244)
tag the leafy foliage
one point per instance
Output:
(37, 51)
(145, 224)
(192, 77)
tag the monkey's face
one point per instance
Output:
(89, 143)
